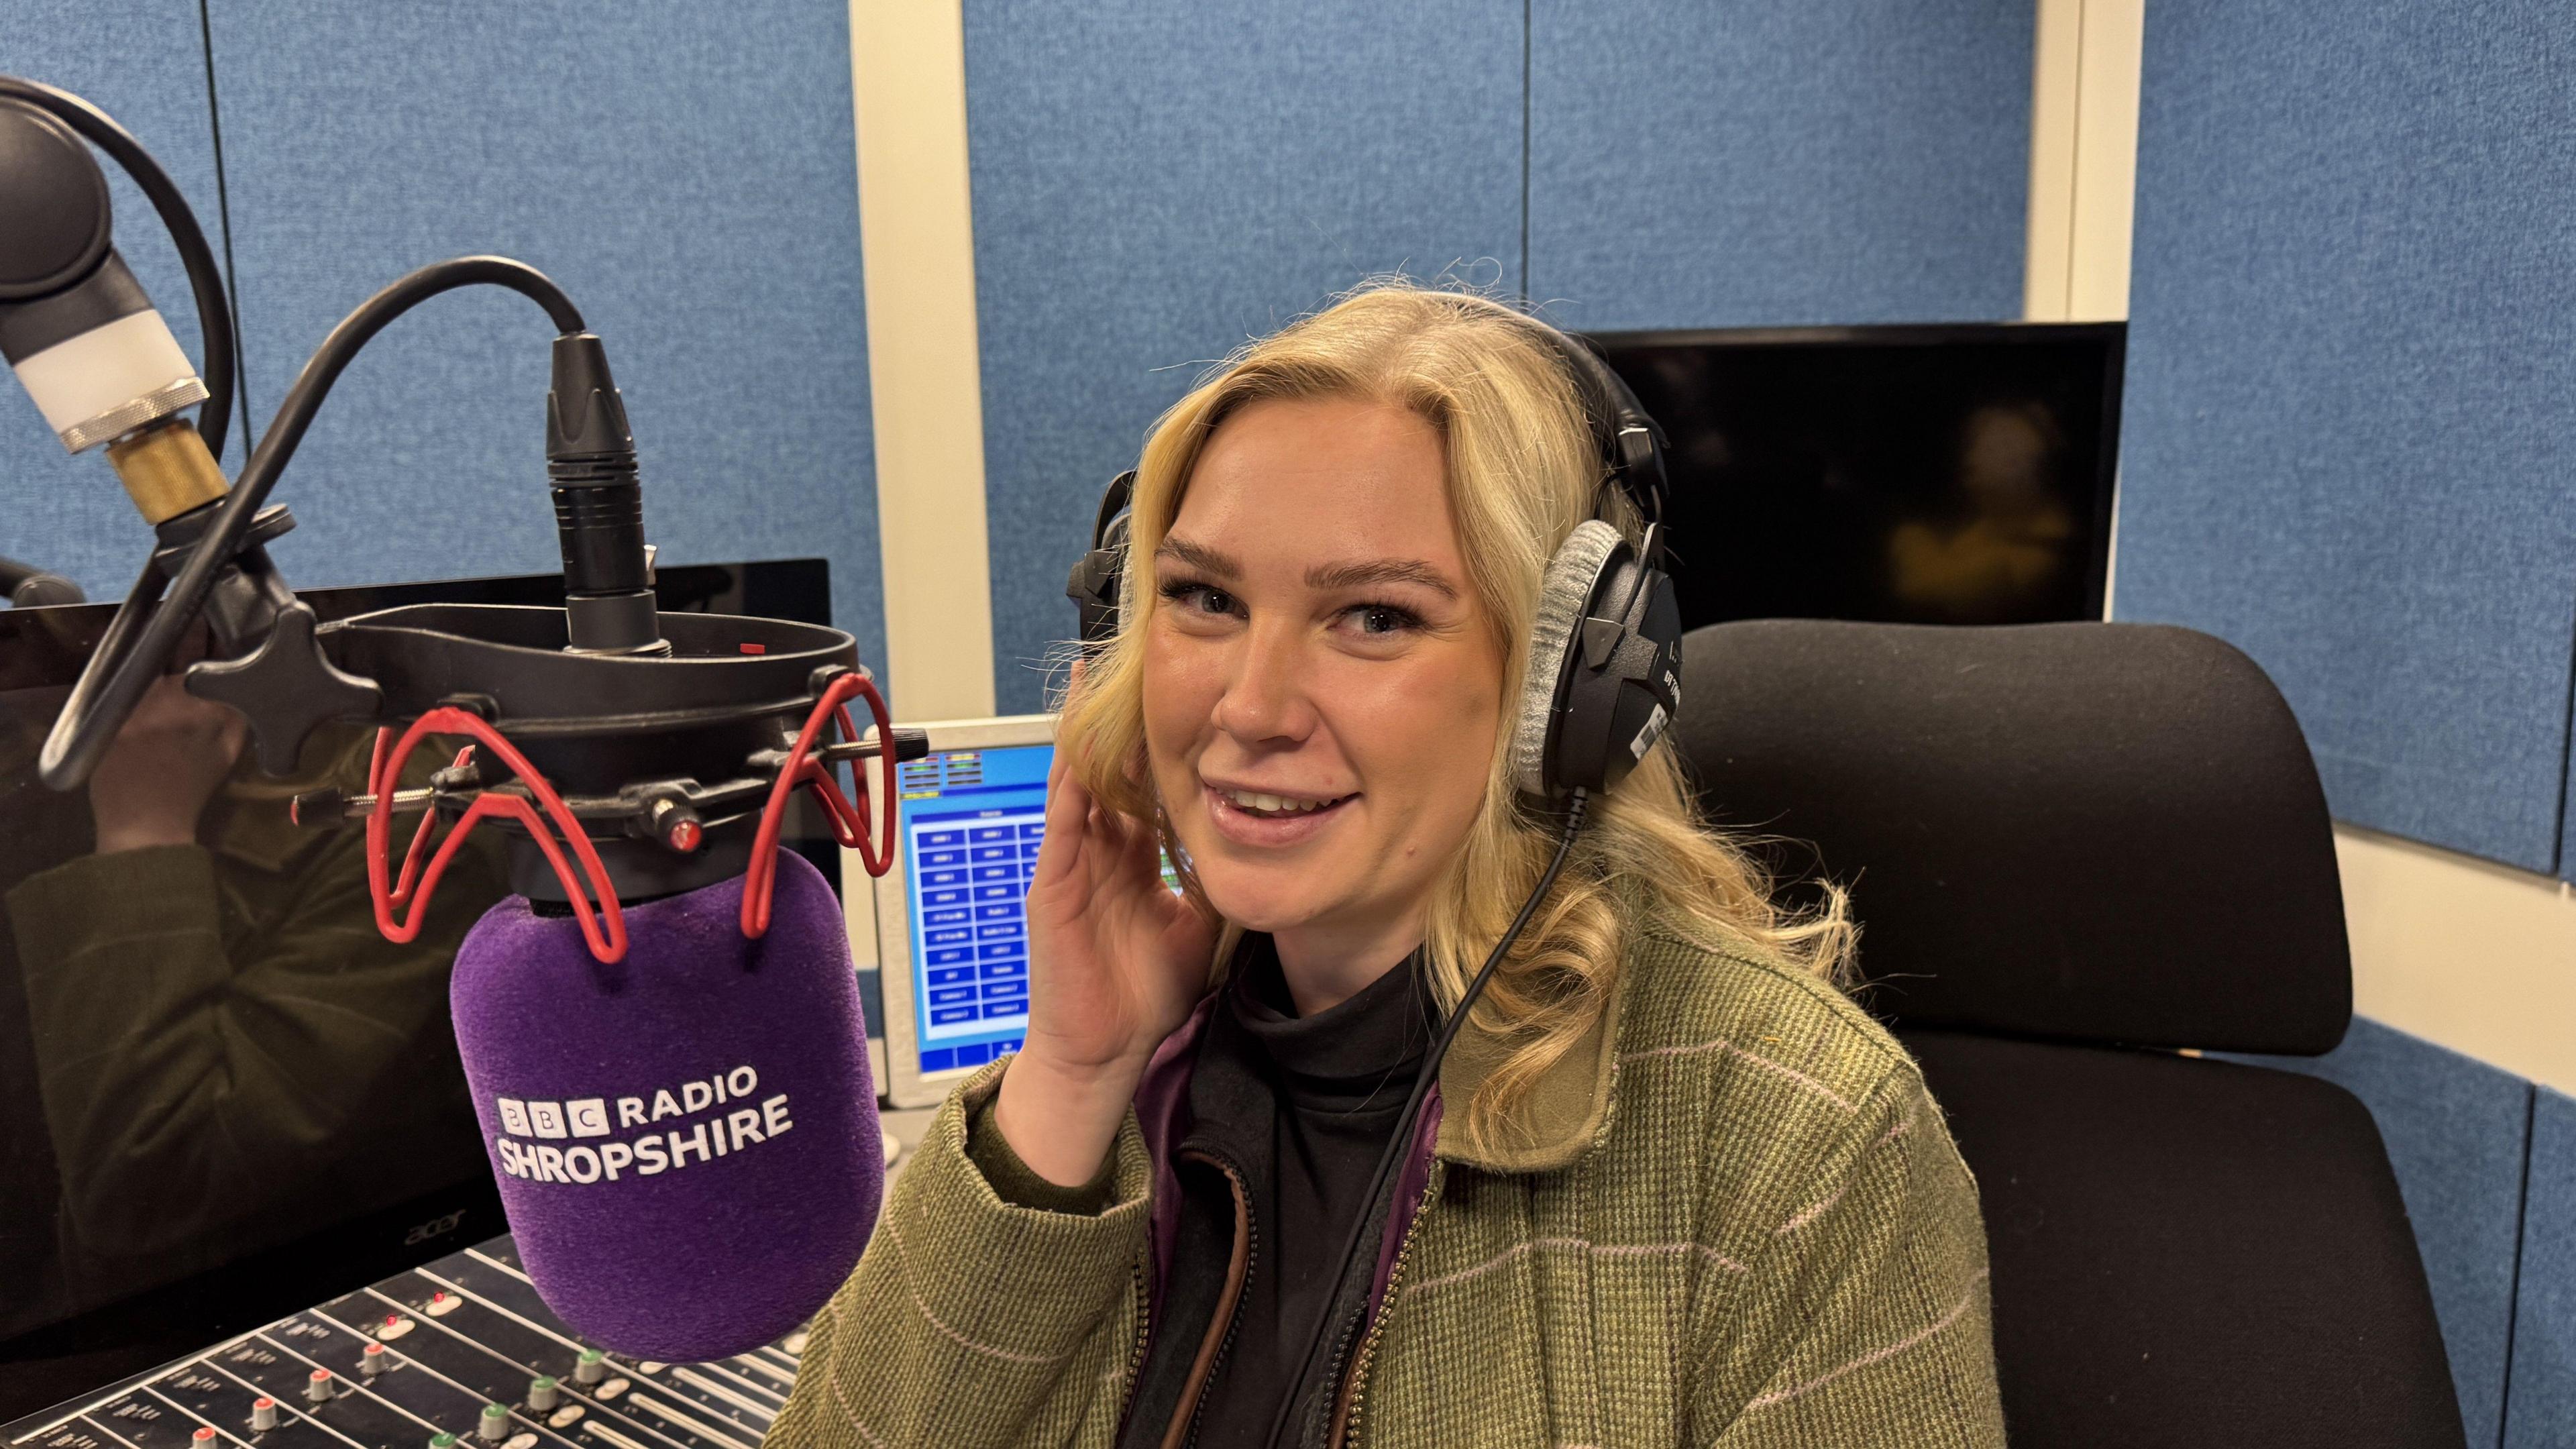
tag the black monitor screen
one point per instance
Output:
(223, 1093)
(1931, 475)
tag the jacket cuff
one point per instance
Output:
(1016, 1183)
(955, 1236)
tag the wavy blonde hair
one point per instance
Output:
(1523, 469)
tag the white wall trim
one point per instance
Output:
(916, 223)
(2083, 159)
(925, 377)
(2468, 954)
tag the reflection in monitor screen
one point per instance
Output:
(1929, 475)
(210, 1049)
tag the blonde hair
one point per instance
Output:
(1523, 469)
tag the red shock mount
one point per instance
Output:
(603, 925)
(849, 821)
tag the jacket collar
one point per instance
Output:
(1567, 1110)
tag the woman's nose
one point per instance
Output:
(1266, 695)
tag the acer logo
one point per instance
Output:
(434, 1228)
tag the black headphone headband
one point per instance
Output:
(1631, 444)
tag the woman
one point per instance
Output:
(1679, 1190)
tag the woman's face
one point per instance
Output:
(1322, 687)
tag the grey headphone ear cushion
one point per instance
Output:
(1563, 594)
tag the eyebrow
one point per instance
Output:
(1199, 556)
(1323, 576)
(1380, 571)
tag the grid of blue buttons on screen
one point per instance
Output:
(971, 831)
(974, 919)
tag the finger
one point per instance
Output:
(1099, 838)
(1068, 805)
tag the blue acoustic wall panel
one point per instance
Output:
(687, 172)
(1778, 161)
(143, 63)
(2540, 1408)
(1157, 180)
(2351, 381)
(2456, 1133)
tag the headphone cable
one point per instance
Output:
(1399, 1145)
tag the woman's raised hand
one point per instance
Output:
(1116, 961)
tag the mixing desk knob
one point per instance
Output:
(204, 1438)
(317, 1388)
(495, 1424)
(442, 1440)
(263, 1415)
(592, 1367)
(372, 1359)
(541, 1392)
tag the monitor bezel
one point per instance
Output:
(906, 1085)
(2112, 336)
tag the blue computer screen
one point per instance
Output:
(971, 821)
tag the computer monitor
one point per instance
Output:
(952, 921)
(1955, 474)
(287, 1113)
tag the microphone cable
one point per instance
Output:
(110, 686)
(1398, 1146)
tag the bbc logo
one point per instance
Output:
(587, 1117)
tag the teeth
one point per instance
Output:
(1275, 804)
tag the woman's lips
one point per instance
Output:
(1245, 828)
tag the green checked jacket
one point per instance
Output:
(1738, 1220)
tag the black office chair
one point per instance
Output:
(2073, 849)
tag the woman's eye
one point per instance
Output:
(1200, 598)
(1382, 619)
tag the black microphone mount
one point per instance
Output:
(661, 749)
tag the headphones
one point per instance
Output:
(1604, 676)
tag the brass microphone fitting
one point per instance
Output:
(166, 469)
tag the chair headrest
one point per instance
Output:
(2095, 832)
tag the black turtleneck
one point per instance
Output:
(1337, 1081)
(1297, 1110)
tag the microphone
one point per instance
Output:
(686, 1140)
(674, 1093)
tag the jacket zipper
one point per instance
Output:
(1347, 1416)
(1234, 1312)
(1140, 1292)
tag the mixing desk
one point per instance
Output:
(457, 1354)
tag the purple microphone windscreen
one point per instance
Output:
(686, 1141)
